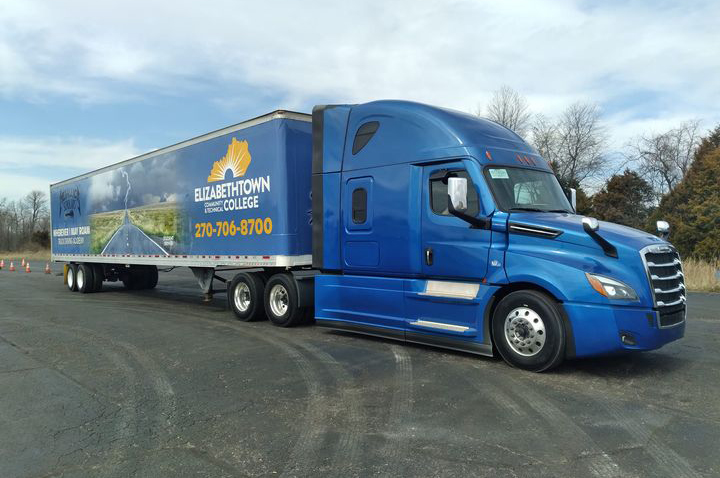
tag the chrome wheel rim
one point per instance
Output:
(70, 278)
(242, 297)
(80, 279)
(279, 300)
(525, 331)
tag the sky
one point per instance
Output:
(84, 84)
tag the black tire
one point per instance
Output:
(99, 276)
(137, 278)
(71, 275)
(281, 299)
(152, 277)
(85, 278)
(246, 296)
(528, 331)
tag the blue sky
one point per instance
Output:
(84, 84)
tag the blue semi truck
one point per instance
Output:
(389, 218)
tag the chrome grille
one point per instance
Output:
(667, 282)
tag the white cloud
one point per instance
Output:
(78, 153)
(30, 163)
(452, 54)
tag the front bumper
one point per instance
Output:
(597, 329)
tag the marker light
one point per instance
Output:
(611, 288)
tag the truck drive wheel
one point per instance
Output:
(71, 275)
(281, 299)
(84, 278)
(528, 331)
(246, 296)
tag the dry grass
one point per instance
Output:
(700, 275)
(42, 255)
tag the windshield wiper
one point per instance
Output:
(558, 210)
(531, 209)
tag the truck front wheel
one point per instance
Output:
(245, 296)
(528, 331)
(281, 301)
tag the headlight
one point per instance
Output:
(611, 288)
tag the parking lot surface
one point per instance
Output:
(155, 383)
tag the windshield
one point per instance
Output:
(520, 189)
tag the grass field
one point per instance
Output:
(163, 219)
(42, 255)
(102, 227)
(701, 275)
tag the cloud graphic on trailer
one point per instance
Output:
(152, 181)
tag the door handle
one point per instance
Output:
(428, 256)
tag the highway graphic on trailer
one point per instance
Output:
(130, 239)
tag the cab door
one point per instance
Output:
(452, 250)
(448, 299)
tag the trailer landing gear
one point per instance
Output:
(205, 276)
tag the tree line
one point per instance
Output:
(25, 223)
(671, 175)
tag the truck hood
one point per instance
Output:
(570, 225)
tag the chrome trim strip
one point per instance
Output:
(673, 263)
(453, 290)
(681, 300)
(189, 260)
(670, 291)
(530, 229)
(439, 325)
(677, 275)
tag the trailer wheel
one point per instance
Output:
(528, 331)
(152, 277)
(281, 301)
(99, 276)
(246, 296)
(84, 278)
(71, 275)
(130, 279)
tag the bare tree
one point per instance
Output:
(36, 205)
(545, 137)
(665, 158)
(574, 144)
(20, 219)
(510, 109)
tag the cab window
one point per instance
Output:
(439, 194)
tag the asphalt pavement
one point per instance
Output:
(155, 383)
(130, 239)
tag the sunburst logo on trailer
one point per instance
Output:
(236, 160)
(232, 192)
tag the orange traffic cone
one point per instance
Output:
(2, 264)
(47, 268)
(23, 262)
(27, 266)
(12, 267)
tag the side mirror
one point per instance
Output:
(571, 195)
(590, 224)
(663, 229)
(457, 194)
